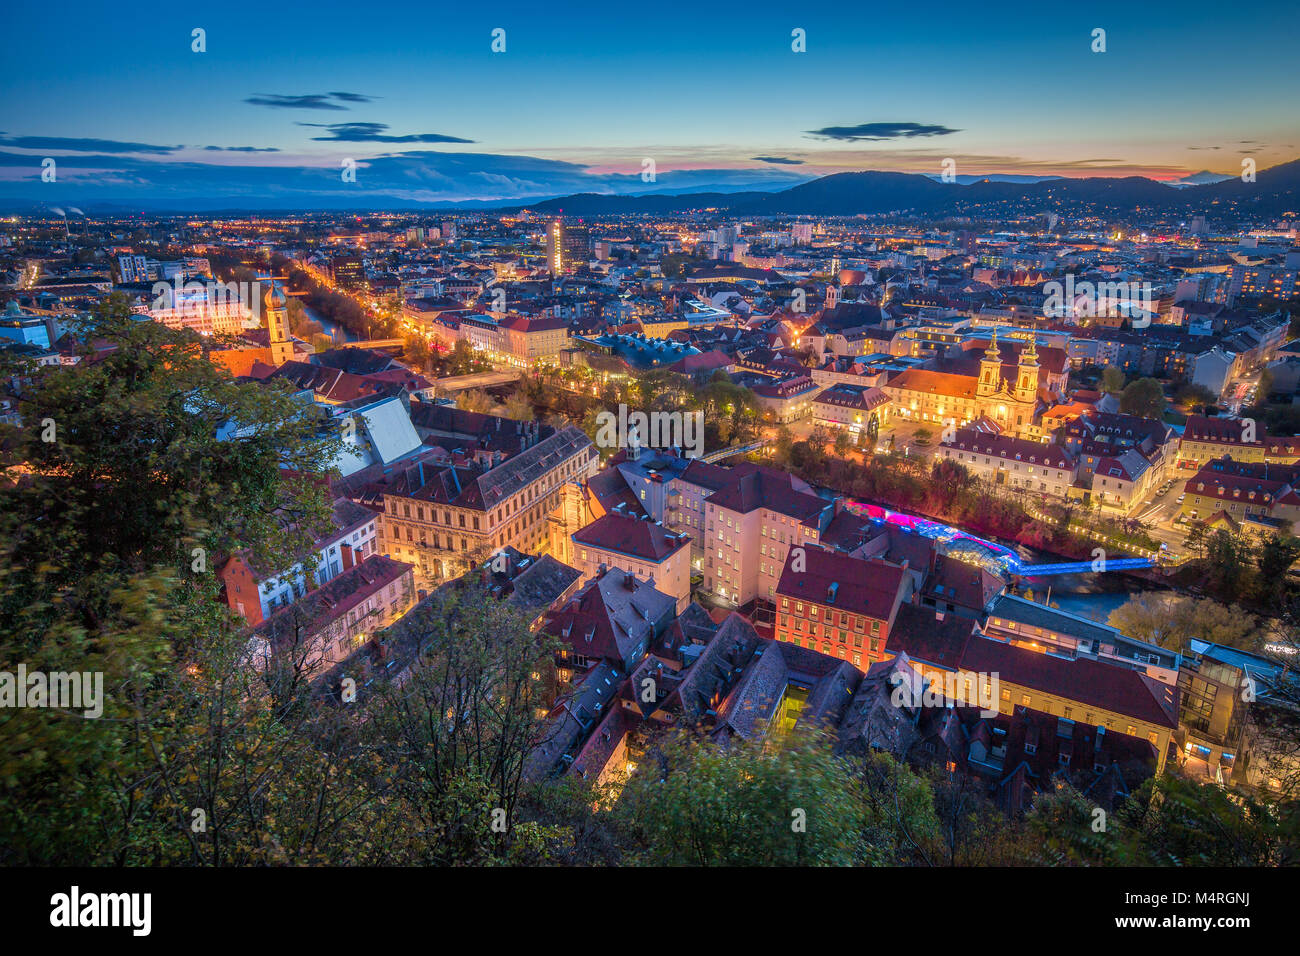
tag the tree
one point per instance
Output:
(474, 400)
(699, 804)
(160, 462)
(417, 353)
(1276, 555)
(843, 443)
(1172, 620)
(1061, 829)
(1264, 387)
(1173, 821)
(1112, 380)
(457, 735)
(1228, 560)
(1144, 398)
(1193, 396)
(519, 406)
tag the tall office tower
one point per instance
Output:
(801, 233)
(350, 272)
(566, 246)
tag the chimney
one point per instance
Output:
(345, 550)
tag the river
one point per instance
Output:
(332, 329)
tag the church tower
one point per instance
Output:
(277, 326)
(990, 368)
(1027, 374)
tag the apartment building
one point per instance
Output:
(786, 400)
(1206, 439)
(1050, 630)
(256, 593)
(1079, 690)
(326, 626)
(639, 546)
(1244, 491)
(840, 605)
(527, 340)
(1014, 462)
(444, 513)
(750, 524)
(857, 408)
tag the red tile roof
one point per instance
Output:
(866, 586)
(646, 540)
(1092, 683)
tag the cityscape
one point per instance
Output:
(629, 443)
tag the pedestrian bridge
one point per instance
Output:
(1084, 567)
(994, 557)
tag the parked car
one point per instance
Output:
(1181, 497)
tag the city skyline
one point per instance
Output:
(581, 99)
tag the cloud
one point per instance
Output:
(79, 144)
(307, 101)
(410, 176)
(879, 131)
(778, 160)
(374, 133)
(242, 149)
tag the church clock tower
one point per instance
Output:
(1027, 374)
(990, 368)
(277, 326)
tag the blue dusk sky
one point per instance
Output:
(585, 93)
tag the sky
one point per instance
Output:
(284, 97)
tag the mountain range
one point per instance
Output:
(1275, 191)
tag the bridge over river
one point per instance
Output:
(993, 556)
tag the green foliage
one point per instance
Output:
(1112, 380)
(748, 805)
(1173, 821)
(1171, 620)
(1236, 567)
(1144, 398)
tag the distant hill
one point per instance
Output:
(1274, 192)
(849, 194)
(600, 204)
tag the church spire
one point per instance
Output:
(990, 368)
(1027, 374)
(992, 351)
